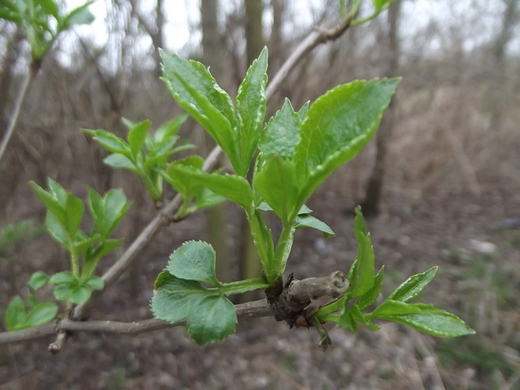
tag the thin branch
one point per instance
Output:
(245, 311)
(16, 112)
(295, 291)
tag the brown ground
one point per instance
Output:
(409, 237)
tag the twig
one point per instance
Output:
(16, 112)
(245, 311)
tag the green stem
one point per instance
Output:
(74, 263)
(361, 21)
(263, 241)
(283, 249)
(242, 286)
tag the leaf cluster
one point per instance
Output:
(43, 21)
(63, 220)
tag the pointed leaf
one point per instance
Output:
(276, 182)
(74, 209)
(169, 129)
(413, 286)
(117, 160)
(213, 321)
(338, 125)
(56, 230)
(95, 283)
(110, 142)
(194, 260)
(307, 220)
(360, 318)
(51, 203)
(108, 246)
(116, 207)
(304, 110)
(361, 274)
(371, 295)
(79, 15)
(381, 5)
(346, 320)
(251, 106)
(282, 133)
(137, 135)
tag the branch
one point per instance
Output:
(294, 297)
(16, 112)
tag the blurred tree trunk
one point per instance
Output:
(510, 18)
(213, 54)
(250, 266)
(277, 47)
(12, 52)
(374, 189)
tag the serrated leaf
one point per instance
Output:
(74, 210)
(304, 110)
(338, 125)
(95, 283)
(360, 318)
(41, 314)
(117, 160)
(306, 220)
(65, 277)
(15, 315)
(213, 321)
(80, 294)
(183, 181)
(281, 134)
(346, 320)
(207, 198)
(169, 129)
(361, 274)
(277, 184)
(37, 280)
(174, 298)
(51, 203)
(56, 230)
(193, 87)
(81, 246)
(110, 142)
(137, 135)
(251, 107)
(194, 260)
(413, 286)
(232, 187)
(371, 295)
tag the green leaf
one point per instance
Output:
(50, 7)
(194, 260)
(277, 184)
(80, 294)
(282, 133)
(362, 319)
(425, 318)
(110, 142)
(174, 298)
(116, 207)
(361, 274)
(338, 125)
(62, 292)
(346, 320)
(251, 106)
(51, 203)
(381, 5)
(15, 315)
(74, 210)
(183, 181)
(371, 295)
(242, 286)
(37, 280)
(193, 87)
(64, 277)
(413, 286)
(232, 187)
(82, 245)
(306, 220)
(117, 160)
(41, 314)
(207, 198)
(108, 246)
(213, 321)
(137, 135)
(79, 15)
(56, 230)
(95, 283)
(11, 16)
(304, 110)
(169, 129)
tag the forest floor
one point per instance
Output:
(478, 279)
